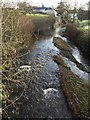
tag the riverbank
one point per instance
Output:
(19, 33)
(75, 88)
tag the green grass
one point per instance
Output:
(41, 18)
(82, 24)
(38, 15)
(76, 92)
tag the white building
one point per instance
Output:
(45, 10)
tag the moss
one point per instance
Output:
(68, 55)
(62, 45)
(59, 60)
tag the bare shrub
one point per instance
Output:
(17, 31)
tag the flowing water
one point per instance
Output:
(45, 98)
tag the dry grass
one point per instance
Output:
(17, 36)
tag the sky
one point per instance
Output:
(49, 3)
(55, 2)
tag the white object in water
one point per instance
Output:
(50, 91)
(25, 68)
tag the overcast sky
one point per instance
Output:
(49, 3)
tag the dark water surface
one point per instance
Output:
(45, 98)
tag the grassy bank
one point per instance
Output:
(74, 88)
(18, 34)
(79, 36)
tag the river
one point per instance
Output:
(43, 97)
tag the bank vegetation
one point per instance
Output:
(19, 32)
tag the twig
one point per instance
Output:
(13, 102)
(17, 81)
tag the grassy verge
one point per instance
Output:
(74, 89)
(66, 52)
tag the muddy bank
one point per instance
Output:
(75, 88)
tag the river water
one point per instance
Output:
(43, 97)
